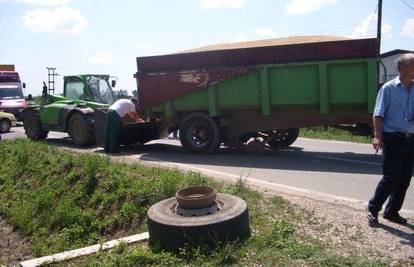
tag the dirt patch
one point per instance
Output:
(346, 231)
(13, 246)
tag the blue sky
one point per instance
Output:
(105, 36)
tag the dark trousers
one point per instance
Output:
(113, 125)
(397, 167)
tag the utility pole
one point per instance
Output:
(51, 79)
(379, 22)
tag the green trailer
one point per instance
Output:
(258, 96)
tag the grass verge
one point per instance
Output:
(330, 133)
(63, 201)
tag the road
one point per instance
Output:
(336, 171)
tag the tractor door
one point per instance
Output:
(74, 88)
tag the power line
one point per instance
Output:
(407, 4)
(357, 24)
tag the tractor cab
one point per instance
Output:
(72, 112)
(89, 88)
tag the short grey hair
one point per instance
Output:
(404, 60)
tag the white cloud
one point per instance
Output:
(368, 28)
(143, 46)
(102, 58)
(219, 4)
(241, 37)
(303, 7)
(60, 20)
(264, 32)
(408, 29)
(41, 2)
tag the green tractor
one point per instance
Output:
(73, 112)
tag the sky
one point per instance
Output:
(102, 36)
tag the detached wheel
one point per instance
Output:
(81, 130)
(5, 126)
(171, 231)
(283, 138)
(32, 126)
(200, 134)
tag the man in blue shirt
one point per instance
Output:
(393, 121)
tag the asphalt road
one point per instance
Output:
(336, 170)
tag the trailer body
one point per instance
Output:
(261, 89)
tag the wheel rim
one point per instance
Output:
(200, 134)
(281, 135)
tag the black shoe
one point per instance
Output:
(396, 218)
(372, 219)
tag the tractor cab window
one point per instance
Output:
(101, 90)
(75, 89)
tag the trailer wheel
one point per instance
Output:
(200, 134)
(5, 126)
(81, 131)
(32, 125)
(283, 138)
(170, 231)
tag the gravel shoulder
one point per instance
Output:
(346, 230)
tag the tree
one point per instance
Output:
(119, 94)
(135, 93)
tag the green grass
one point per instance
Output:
(330, 133)
(62, 201)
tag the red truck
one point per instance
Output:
(11, 91)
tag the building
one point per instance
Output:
(389, 61)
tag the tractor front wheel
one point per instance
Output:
(32, 125)
(81, 130)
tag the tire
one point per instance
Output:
(32, 125)
(5, 126)
(81, 130)
(284, 138)
(171, 232)
(200, 134)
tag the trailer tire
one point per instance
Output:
(170, 231)
(200, 134)
(32, 125)
(283, 138)
(81, 130)
(5, 126)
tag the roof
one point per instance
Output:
(269, 42)
(395, 52)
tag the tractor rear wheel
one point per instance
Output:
(33, 126)
(81, 130)
(200, 134)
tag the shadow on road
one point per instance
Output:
(290, 159)
(293, 158)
